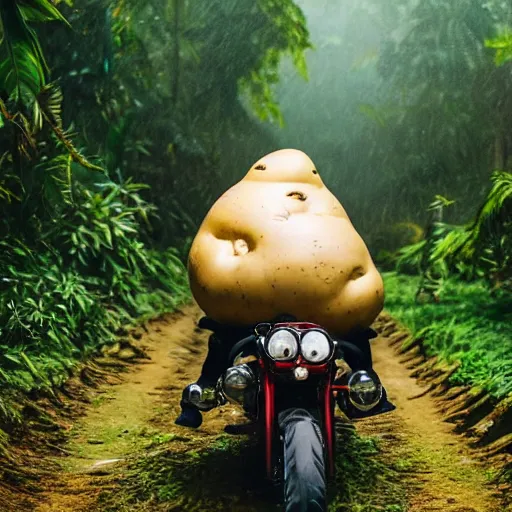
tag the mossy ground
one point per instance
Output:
(227, 474)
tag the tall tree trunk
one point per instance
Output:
(176, 56)
(499, 152)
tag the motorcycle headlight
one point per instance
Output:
(316, 347)
(365, 390)
(282, 345)
(237, 381)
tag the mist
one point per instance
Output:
(402, 103)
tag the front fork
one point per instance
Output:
(327, 408)
(269, 407)
(328, 421)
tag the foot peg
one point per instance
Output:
(195, 399)
(202, 398)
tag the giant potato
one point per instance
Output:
(280, 242)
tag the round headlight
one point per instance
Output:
(315, 347)
(282, 345)
(236, 381)
(365, 390)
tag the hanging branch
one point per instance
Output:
(68, 144)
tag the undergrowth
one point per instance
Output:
(69, 291)
(76, 262)
(228, 474)
(468, 324)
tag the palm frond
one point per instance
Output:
(411, 255)
(40, 10)
(449, 242)
(49, 101)
(493, 211)
(23, 69)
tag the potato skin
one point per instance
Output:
(280, 242)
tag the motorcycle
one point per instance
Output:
(286, 379)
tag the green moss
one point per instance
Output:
(364, 481)
(469, 325)
(227, 473)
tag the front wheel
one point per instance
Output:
(304, 463)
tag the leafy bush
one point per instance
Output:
(75, 264)
(467, 325)
(68, 293)
(102, 238)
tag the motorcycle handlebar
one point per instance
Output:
(239, 346)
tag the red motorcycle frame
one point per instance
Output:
(269, 368)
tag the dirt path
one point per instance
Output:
(119, 417)
(443, 475)
(439, 474)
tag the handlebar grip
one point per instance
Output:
(239, 346)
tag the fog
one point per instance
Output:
(403, 102)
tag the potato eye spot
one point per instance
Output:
(297, 195)
(260, 167)
(240, 247)
(357, 273)
(315, 171)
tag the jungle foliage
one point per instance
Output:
(405, 101)
(83, 252)
(460, 302)
(74, 264)
(159, 92)
(466, 326)
(459, 299)
(446, 116)
(481, 248)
